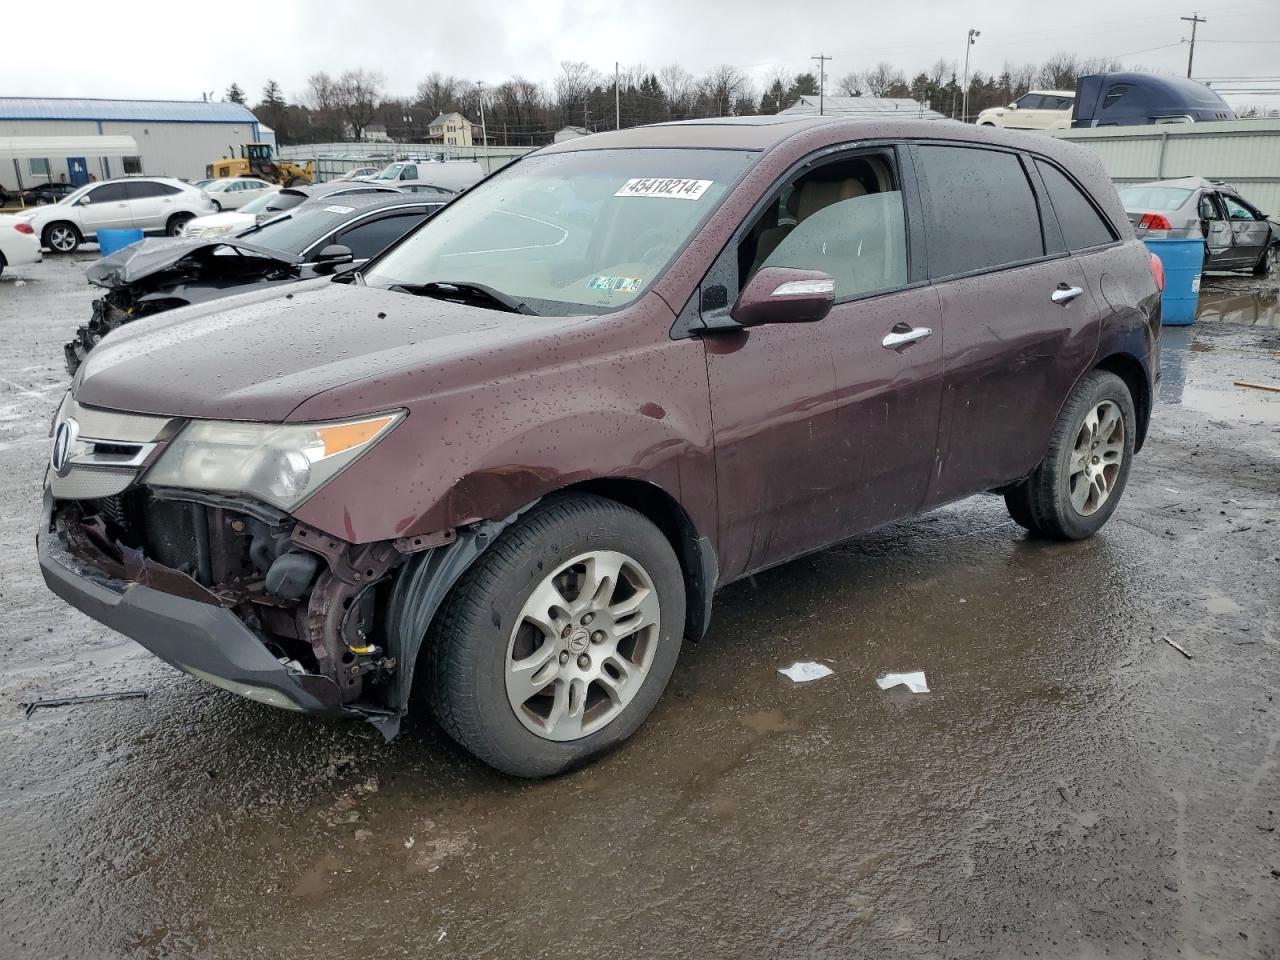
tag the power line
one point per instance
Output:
(1195, 20)
(822, 79)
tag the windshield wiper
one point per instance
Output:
(460, 290)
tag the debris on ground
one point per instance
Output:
(802, 671)
(1271, 388)
(34, 705)
(1176, 647)
(913, 681)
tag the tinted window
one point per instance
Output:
(1082, 225)
(979, 210)
(371, 237)
(143, 190)
(844, 219)
(108, 193)
(1114, 95)
(1057, 103)
(1030, 101)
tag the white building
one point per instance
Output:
(865, 107)
(175, 138)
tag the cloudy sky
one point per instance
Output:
(177, 48)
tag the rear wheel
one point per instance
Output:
(1078, 485)
(1268, 264)
(217, 207)
(177, 225)
(61, 237)
(558, 642)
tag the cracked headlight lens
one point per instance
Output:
(279, 464)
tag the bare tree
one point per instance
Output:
(679, 87)
(721, 89)
(439, 93)
(885, 80)
(573, 86)
(850, 85)
(322, 94)
(358, 93)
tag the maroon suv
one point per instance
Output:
(507, 464)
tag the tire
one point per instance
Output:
(484, 631)
(217, 207)
(1268, 264)
(1059, 504)
(177, 224)
(62, 237)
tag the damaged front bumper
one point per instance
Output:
(197, 635)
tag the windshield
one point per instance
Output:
(586, 231)
(259, 204)
(1154, 198)
(390, 173)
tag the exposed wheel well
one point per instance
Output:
(697, 556)
(1127, 368)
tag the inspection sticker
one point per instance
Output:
(621, 284)
(675, 188)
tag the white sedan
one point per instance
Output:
(232, 221)
(19, 244)
(234, 192)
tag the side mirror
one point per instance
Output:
(784, 295)
(331, 257)
(83, 201)
(1013, 106)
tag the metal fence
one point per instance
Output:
(332, 160)
(1245, 153)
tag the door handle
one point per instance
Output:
(894, 340)
(1064, 294)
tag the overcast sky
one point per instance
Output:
(177, 49)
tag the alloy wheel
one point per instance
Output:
(1096, 458)
(582, 645)
(62, 239)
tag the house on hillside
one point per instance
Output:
(453, 130)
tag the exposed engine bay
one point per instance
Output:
(160, 274)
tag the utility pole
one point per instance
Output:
(484, 133)
(1194, 19)
(964, 109)
(822, 80)
(617, 101)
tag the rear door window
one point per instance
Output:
(1082, 226)
(979, 210)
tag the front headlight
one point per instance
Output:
(280, 464)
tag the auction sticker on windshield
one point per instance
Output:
(337, 209)
(673, 188)
(621, 284)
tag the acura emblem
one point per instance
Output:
(64, 439)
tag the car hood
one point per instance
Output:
(150, 256)
(259, 355)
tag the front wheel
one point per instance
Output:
(217, 207)
(1077, 486)
(61, 237)
(558, 642)
(1268, 264)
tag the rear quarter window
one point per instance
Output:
(1081, 224)
(980, 212)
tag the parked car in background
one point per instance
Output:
(450, 174)
(234, 192)
(1128, 99)
(423, 186)
(507, 463)
(154, 205)
(43, 193)
(1237, 235)
(233, 221)
(360, 173)
(201, 183)
(314, 239)
(1034, 110)
(19, 244)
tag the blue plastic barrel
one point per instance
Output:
(1183, 260)
(109, 241)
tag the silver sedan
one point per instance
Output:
(1237, 236)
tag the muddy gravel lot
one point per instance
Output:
(1073, 786)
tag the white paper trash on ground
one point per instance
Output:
(913, 681)
(802, 671)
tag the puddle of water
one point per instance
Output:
(1233, 403)
(1239, 300)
